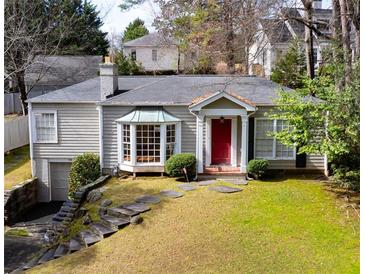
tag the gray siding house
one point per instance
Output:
(136, 123)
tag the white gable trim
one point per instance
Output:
(198, 106)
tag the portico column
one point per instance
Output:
(244, 143)
(199, 143)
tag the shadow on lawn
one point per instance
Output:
(348, 196)
(277, 177)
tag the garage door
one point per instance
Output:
(59, 181)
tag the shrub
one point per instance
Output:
(349, 179)
(85, 168)
(257, 167)
(176, 163)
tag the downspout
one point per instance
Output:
(101, 138)
(30, 128)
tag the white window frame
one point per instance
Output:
(133, 141)
(274, 143)
(152, 55)
(34, 126)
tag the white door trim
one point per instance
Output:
(208, 140)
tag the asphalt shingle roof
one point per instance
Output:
(171, 90)
(89, 90)
(183, 89)
(150, 40)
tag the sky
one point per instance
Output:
(115, 21)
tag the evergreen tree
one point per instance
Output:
(290, 69)
(135, 29)
(85, 36)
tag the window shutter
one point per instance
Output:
(251, 138)
(300, 159)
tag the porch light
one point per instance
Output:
(221, 120)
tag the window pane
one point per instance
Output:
(45, 125)
(149, 145)
(264, 143)
(282, 151)
(126, 143)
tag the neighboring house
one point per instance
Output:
(157, 53)
(48, 73)
(135, 123)
(275, 35)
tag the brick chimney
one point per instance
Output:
(108, 78)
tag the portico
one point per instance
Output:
(222, 131)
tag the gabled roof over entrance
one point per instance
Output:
(200, 102)
(148, 115)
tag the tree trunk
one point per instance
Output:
(336, 28)
(20, 84)
(229, 36)
(308, 17)
(353, 7)
(345, 41)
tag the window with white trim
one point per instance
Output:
(148, 143)
(170, 140)
(267, 146)
(45, 127)
(154, 55)
(127, 143)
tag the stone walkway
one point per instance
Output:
(118, 217)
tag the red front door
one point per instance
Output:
(221, 141)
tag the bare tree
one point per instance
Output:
(308, 40)
(345, 28)
(29, 31)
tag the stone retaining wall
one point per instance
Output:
(19, 199)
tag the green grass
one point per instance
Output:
(17, 167)
(286, 226)
(17, 232)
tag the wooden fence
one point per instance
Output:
(16, 133)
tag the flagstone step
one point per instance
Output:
(102, 229)
(89, 237)
(148, 199)
(115, 221)
(61, 250)
(225, 189)
(75, 245)
(187, 187)
(47, 256)
(137, 207)
(171, 193)
(121, 212)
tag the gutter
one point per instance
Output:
(30, 127)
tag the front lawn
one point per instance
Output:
(17, 167)
(286, 226)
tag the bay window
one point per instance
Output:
(148, 143)
(170, 140)
(266, 146)
(45, 127)
(127, 143)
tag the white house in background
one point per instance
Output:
(156, 53)
(275, 36)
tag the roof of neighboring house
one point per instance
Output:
(62, 70)
(286, 28)
(151, 40)
(276, 30)
(89, 90)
